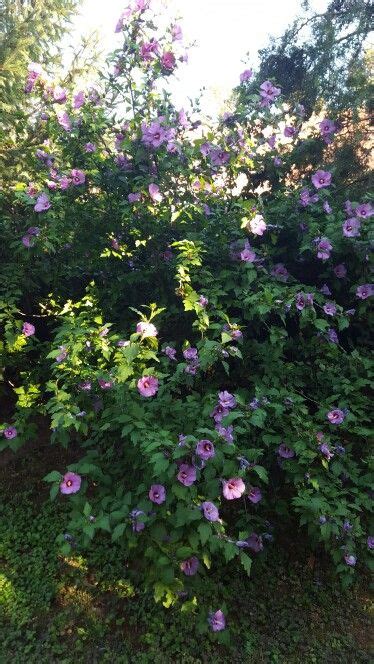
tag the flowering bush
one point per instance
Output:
(204, 343)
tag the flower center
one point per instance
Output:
(69, 483)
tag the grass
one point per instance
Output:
(86, 609)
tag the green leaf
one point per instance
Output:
(262, 473)
(204, 530)
(53, 476)
(118, 531)
(246, 561)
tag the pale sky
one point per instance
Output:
(225, 30)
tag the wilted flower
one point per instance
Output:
(157, 494)
(280, 272)
(233, 488)
(203, 301)
(134, 198)
(340, 271)
(148, 386)
(325, 290)
(190, 566)
(285, 452)
(210, 511)
(187, 474)
(327, 207)
(254, 542)
(90, 147)
(71, 483)
(59, 94)
(332, 335)
(62, 355)
(170, 352)
(225, 432)
(205, 449)
(176, 32)
(325, 450)
(217, 621)
(370, 542)
(277, 161)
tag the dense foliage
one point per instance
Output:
(204, 342)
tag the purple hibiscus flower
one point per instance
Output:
(219, 412)
(321, 179)
(335, 416)
(233, 488)
(59, 94)
(365, 291)
(90, 147)
(77, 176)
(28, 329)
(217, 621)
(364, 210)
(168, 60)
(71, 483)
(370, 542)
(280, 272)
(205, 449)
(210, 511)
(203, 301)
(325, 450)
(332, 335)
(254, 494)
(64, 120)
(79, 99)
(226, 399)
(268, 93)
(285, 452)
(187, 474)
(10, 433)
(170, 353)
(190, 566)
(190, 354)
(147, 386)
(219, 157)
(246, 75)
(327, 207)
(149, 50)
(289, 132)
(327, 127)
(155, 194)
(157, 494)
(330, 308)
(42, 203)
(324, 247)
(351, 227)
(225, 432)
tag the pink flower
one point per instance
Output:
(105, 384)
(64, 182)
(59, 94)
(168, 60)
(157, 494)
(217, 621)
(187, 474)
(246, 75)
(154, 192)
(28, 329)
(176, 32)
(42, 203)
(190, 566)
(10, 433)
(77, 176)
(233, 488)
(71, 483)
(257, 225)
(148, 386)
(79, 99)
(364, 210)
(64, 120)
(146, 329)
(148, 50)
(321, 179)
(335, 416)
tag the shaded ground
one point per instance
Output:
(86, 610)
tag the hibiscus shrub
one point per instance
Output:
(202, 342)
